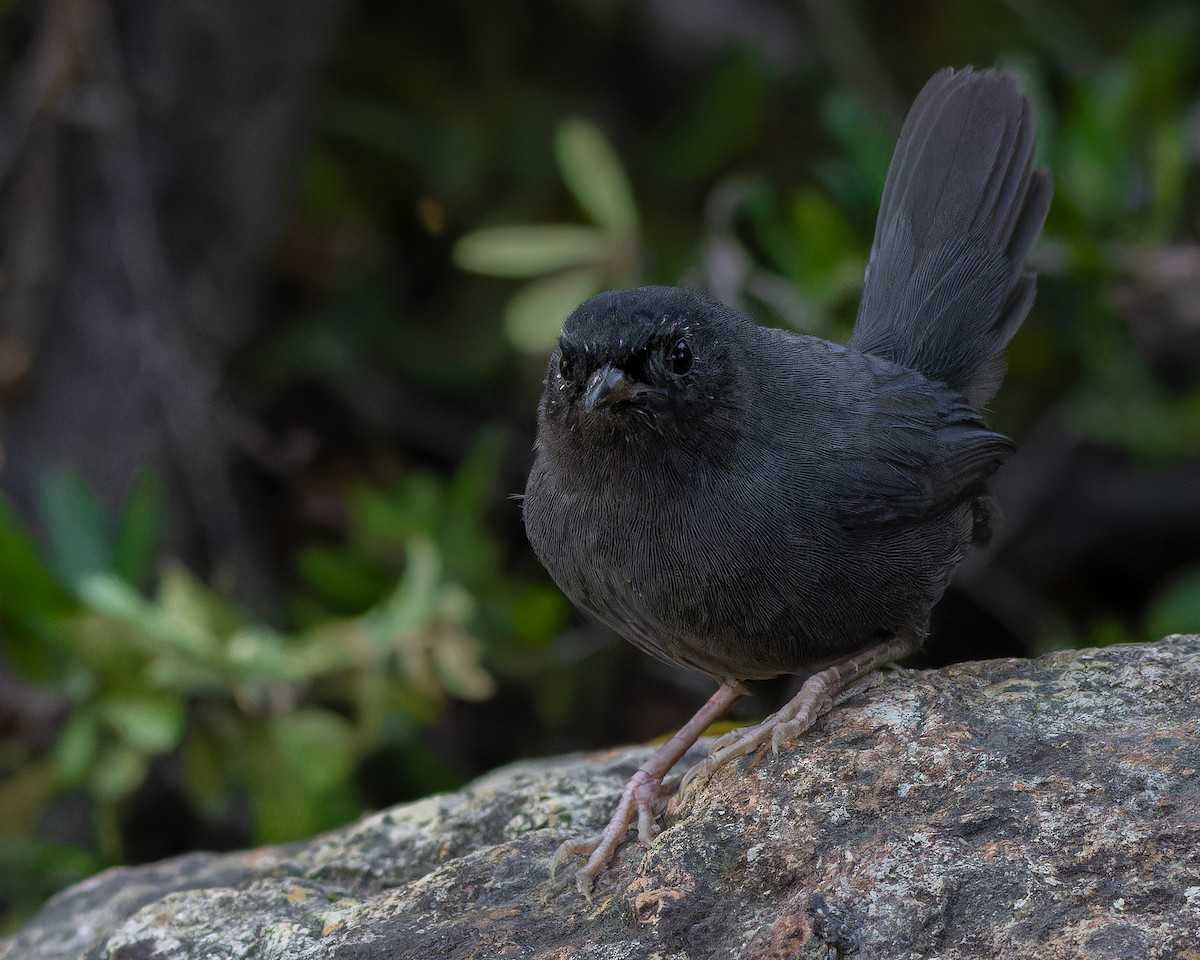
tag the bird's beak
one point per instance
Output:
(607, 385)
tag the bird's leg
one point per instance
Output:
(815, 699)
(642, 793)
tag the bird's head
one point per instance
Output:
(651, 366)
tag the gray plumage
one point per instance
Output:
(748, 502)
(946, 286)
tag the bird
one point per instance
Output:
(749, 502)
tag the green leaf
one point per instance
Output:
(415, 598)
(1169, 166)
(194, 609)
(529, 251)
(336, 646)
(383, 520)
(176, 622)
(258, 652)
(32, 602)
(29, 587)
(118, 771)
(864, 148)
(151, 725)
(539, 613)
(76, 525)
(77, 743)
(467, 545)
(726, 115)
(206, 761)
(25, 793)
(298, 767)
(1121, 402)
(535, 313)
(344, 578)
(593, 173)
(456, 662)
(185, 675)
(315, 746)
(139, 531)
(833, 267)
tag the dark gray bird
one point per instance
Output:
(748, 502)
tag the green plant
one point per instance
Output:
(392, 624)
(568, 262)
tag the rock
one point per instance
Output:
(1012, 808)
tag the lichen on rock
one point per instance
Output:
(1011, 808)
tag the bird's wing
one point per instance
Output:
(918, 451)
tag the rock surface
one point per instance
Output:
(1012, 808)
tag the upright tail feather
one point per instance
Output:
(946, 286)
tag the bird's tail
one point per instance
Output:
(946, 286)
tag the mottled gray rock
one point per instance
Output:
(1016, 809)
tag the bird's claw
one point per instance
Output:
(641, 798)
(739, 743)
(735, 744)
(813, 701)
(779, 729)
(643, 794)
(579, 847)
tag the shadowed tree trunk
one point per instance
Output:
(147, 149)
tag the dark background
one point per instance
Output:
(261, 414)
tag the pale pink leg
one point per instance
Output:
(814, 700)
(642, 793)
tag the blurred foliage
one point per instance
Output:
(573, 263)
(472, 176)
(395, 620)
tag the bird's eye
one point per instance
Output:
(564, 366)
(679, 357)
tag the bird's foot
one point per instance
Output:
(640, 798)
(642, 795)
(815, 699)
(798, 715)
